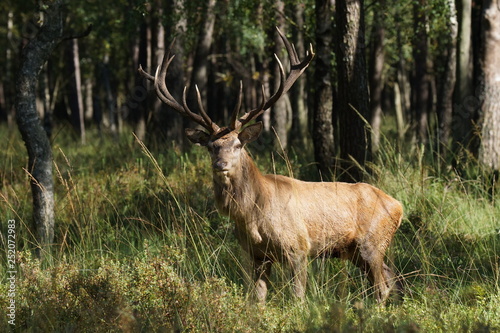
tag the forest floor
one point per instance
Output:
(139, 246)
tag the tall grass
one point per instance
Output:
(140, 247)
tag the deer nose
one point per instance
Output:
(220, 165)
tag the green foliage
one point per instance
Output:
(140, 247)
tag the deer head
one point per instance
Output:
(226, 143)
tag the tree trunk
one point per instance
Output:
(75, 88)
(199, 76)
(446, 82)
(420, 89)
(280, 113)
(176, 75)
(3, 103)
(402, 88)
(88, 100)
(158, 127)
(141, 106)
(111, 121)
(465, 103)
(324, 149)
(398, 106)
(300, 128)
(33, 57)
(376, 72)
(7, 76)
(489, 152)
(353, 109)
(262, 65)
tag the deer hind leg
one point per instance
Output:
(262, 271)
(298, 265)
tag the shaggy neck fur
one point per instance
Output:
(236, 193)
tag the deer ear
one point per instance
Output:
(197, 136)
(250, 133)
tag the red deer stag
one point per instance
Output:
(281, 219)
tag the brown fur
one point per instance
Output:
(281, 219)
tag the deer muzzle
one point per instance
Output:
(220, 165)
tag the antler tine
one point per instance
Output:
(145, 74)
(166, 97)
(196, 117)
(297, 67)
(281, 89)
(235, 124)
(213, 126)
(249, 116)
(161, 87)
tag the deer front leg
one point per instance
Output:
(262, 271)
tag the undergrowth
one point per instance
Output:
(139, 246)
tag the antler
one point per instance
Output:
(297, 67)
(167, 98)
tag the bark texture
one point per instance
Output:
(465, 103)
(199, 76)
(446, 82)
(353, 109)
(324, 150)
(489, 152)
(300, 126)
(280, 112)
(421, 84)
(376, 72)
(33, 57)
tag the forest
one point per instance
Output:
(108, 219)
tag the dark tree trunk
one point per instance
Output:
(176, 75)
(219, 97)
(3, 103)
(141, 104)
(158, 127)
(446, 83)
(353, 109)
(376, 72)
(324, 149)
(489, 152)
(199, 76)
(300, 131)
(33, 57)
(421, 84)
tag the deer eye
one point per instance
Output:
(238, 146)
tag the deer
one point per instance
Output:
(279, 219)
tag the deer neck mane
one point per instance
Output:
(236, 193)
